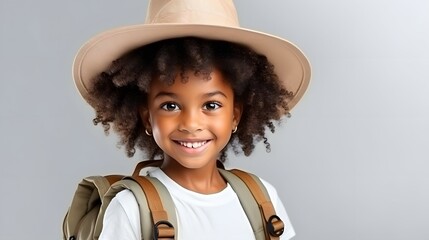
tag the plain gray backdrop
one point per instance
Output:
(351, 163)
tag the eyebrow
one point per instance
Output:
(173, 95)
(168, 94)
(211, 94)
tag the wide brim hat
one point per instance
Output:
(209, 19)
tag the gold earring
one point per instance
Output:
(147, 132)
(234, 130)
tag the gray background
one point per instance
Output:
(351, 163)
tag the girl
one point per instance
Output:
(187, 91)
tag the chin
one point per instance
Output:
(193, 163)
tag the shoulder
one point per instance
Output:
(125, 196)
(125, 202)
(121, 219)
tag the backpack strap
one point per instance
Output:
(162, 228)
(168, 205)
(249, 187)
(248, 203)
(162, 222)
(144, 164)
(162, 211)
(154, 202)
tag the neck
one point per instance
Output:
(205, 180)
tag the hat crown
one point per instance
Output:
(210, 12)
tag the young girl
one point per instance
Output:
(186, 87)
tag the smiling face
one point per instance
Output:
(191, 122)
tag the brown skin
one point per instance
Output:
(200, 112)
(120, 91)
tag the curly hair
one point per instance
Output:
(119, 91)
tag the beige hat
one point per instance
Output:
(210, 19)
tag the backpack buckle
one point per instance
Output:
(275, 226)
(163, 230)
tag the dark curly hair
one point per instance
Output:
(122, 89)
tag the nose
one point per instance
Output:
(190, 121)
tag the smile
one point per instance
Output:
(192, 144)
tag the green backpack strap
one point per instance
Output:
(170, 208)
(256, 203)
(157, 211)
(83, 217)
(162, 220)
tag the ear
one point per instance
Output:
(145, 117)
(238, 110)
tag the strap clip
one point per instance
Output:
(163, 230)
(275, 226)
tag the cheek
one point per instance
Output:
(160, 130)
(224, 124)
(160, 124)
(163, 126)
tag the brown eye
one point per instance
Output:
(170, 106)
(211, 106)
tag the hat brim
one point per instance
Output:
(96, 55)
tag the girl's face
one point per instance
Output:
(193, 121)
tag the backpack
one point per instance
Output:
(84, 218)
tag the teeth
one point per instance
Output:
(193, 144)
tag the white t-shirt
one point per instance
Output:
(199, 216)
